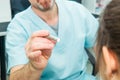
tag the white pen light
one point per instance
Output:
(54, 38)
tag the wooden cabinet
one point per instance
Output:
(5, 11)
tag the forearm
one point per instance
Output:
(26, 73)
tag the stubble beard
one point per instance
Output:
(41, 8)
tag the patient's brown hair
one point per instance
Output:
(109, 30)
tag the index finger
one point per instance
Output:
(40, 33)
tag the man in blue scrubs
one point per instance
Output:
(34, 56)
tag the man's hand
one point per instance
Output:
(38, 49)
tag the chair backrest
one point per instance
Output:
(92, 60)
(18, 6)
(2, 57)
(79, 1)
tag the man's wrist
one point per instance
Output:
(33, 68)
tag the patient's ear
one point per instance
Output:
(110, 60)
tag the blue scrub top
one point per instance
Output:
(76, 29)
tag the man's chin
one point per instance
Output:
(44, 9)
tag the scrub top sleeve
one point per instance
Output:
(91, 30)
(15, 43)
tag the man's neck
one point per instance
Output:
(50, 16)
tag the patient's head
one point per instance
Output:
(108, 42)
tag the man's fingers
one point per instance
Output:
(34, 55)
(41, 46)
(41, 40)
(41, 33)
